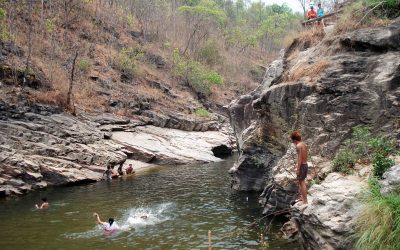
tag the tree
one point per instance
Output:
(28, 58)
(199, 19)
(70, 101)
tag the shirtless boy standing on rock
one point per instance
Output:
(301, 166)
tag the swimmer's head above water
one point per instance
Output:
(111, 221)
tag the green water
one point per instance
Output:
(182, 203)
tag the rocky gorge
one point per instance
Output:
(43, 146)
(325, 90)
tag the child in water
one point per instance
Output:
(44, 204)
(111, 226)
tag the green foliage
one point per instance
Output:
(83, 65)
(361, 138)
(386, 3)
(378, 226)
(382, 145)
(315, 182)
(260, 23)
(380, 164)
(205, 9)
(202, 112)
(126, 60)
(195, 74)
(3, 13)
(50, 24)
(364, 146)
(344, 161)
(4, 35)
(213, 78)
(209, 54)
(257, 161)
(129, 19)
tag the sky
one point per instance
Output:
(294, 4)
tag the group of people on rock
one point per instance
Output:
(312, 14)
(110, 173)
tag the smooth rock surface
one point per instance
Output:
(172, 146)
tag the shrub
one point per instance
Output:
(202, 112)
(213, 78)
(344, 161)
(366, 13)
(361, 138)
(3, 13)
(380, 164)
(381, 145)
(209, 54)
(378, 226)
(83, 65)
(3, 29)
(388, 8)
(126, 60)
(50, 24)
(195, 74)
(363, 145)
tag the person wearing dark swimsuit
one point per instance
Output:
(301, 166)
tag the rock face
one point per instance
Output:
(41, 146)
(357, 86)
(323, 91)
(172, 146)
(51, 149)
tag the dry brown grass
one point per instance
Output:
(308, 37)
(52, 97)
(311, 71)
(293, 55)
(87, 98)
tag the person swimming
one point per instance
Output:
(111, 226)
(44, 205)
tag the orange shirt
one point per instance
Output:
(311, 14)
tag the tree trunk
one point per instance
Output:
(28, 58)
(71, 85)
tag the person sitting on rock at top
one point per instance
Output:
(110, 226)
(108, 173)
(44, 204)
(311, 14)
(129, 170)
(320, 10)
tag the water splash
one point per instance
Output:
(146, 216)
(132, 219)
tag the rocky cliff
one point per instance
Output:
(323, 91)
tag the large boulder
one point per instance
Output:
(329, 219)
(391, 181)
